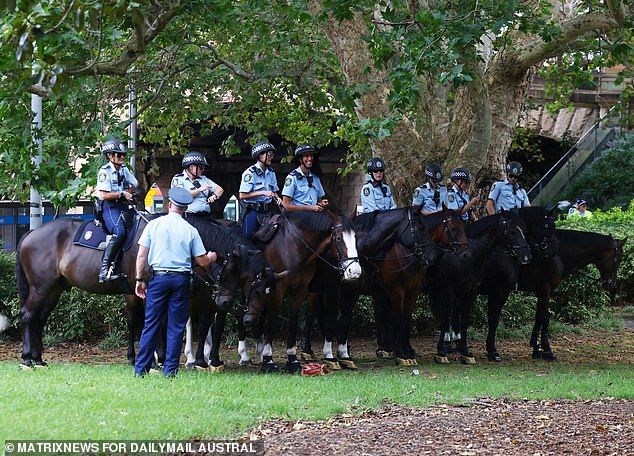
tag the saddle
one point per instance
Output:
(93, 236)
(268, 229)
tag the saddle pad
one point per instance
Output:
(94, 237)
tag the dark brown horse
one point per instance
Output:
(303, 237)
(574, 251)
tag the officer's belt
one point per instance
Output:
(161, 272)
(261, 207)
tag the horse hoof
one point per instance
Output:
(40, 365)
(269, 367)
(190, 366)
(467, 359)
(383, 354)
(441, 359)
(495, 357)
(131, 361)
(347, 363)
(413, 362)
(293, 367)
(246, 362)
(216, 369)
(548, 356)
(537, 354)
(308, 356)
(26, 364)
(402, 361)
(332, 364)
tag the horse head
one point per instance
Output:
(448, 231)
(511, 231)
(540, 230)
(344, 246)
(609, 265)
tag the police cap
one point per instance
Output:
(180, 197)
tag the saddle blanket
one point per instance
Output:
(93, 236)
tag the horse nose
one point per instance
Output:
(352, 271)
(249, 320)
(223, 301)
(466, 255)
(525, 258)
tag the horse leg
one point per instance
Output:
(134, 310)
(464, 305)
(409, 302)
(245, 360)
(384, 325)
(542, 320)
(215, 363)
(343, 329)
(268, 365)
(331, 311)
(313, 310)
(33, 315)
(495, 302)
(442, 305)
(398, 319)
(189, 342)
(293, 365)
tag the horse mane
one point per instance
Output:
(533, 214)
(586, 238)
(216, 236)
(364, 222)
(312, 221)
(435, 218)
(481, 226)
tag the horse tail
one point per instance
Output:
(20, 276)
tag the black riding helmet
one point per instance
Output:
(376, 164)
(194, 158)
(113, 145)
(514, 168)
(460, 173)
(434, 172)
(303, 149)
(260, 148)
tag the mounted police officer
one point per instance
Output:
(376, 195)
(204, 191)
(432, 194)
(457, 196)
(115, 185)
(302, 187)
(508, 194)
(167, 246)
(258, 188)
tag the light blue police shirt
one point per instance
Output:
(109, 180)
(173, 243)
(457, 200)
(256, 180)
(373, 199)
(502, 194)
(424, 194)
(296, 187)
(200, 203)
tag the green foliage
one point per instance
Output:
(600, 185)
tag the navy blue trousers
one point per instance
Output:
(249, 224)
(166, 293)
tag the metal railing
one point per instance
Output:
(585, 151)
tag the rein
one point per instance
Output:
(507, 250)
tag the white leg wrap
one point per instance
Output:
(188, 343)
(267, 350)
(242, 350)
(291, 351)
(342, 351)
(208, 344)
(447, 337)
(328, 350)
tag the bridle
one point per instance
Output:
(453, 244)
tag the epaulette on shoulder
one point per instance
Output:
(297, 174)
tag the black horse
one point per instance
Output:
(574, 250)
(452, 284)
(241, 269)
(302, 238)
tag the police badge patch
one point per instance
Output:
(102, 176)
(247, 178)
(366, 191)
(416, 193)
(288, 182)
(451, 197)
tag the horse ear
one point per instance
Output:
(244, 257)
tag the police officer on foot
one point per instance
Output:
(302, 187)
(508, 194)
(457, 196)
(115, 185)
(376, 195)
(432, 194)
(258, 187)
(204, 191)
(167, 245)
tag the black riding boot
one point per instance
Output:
(108, 266)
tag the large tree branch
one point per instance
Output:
(158, 16)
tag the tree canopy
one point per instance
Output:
(412, 82)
